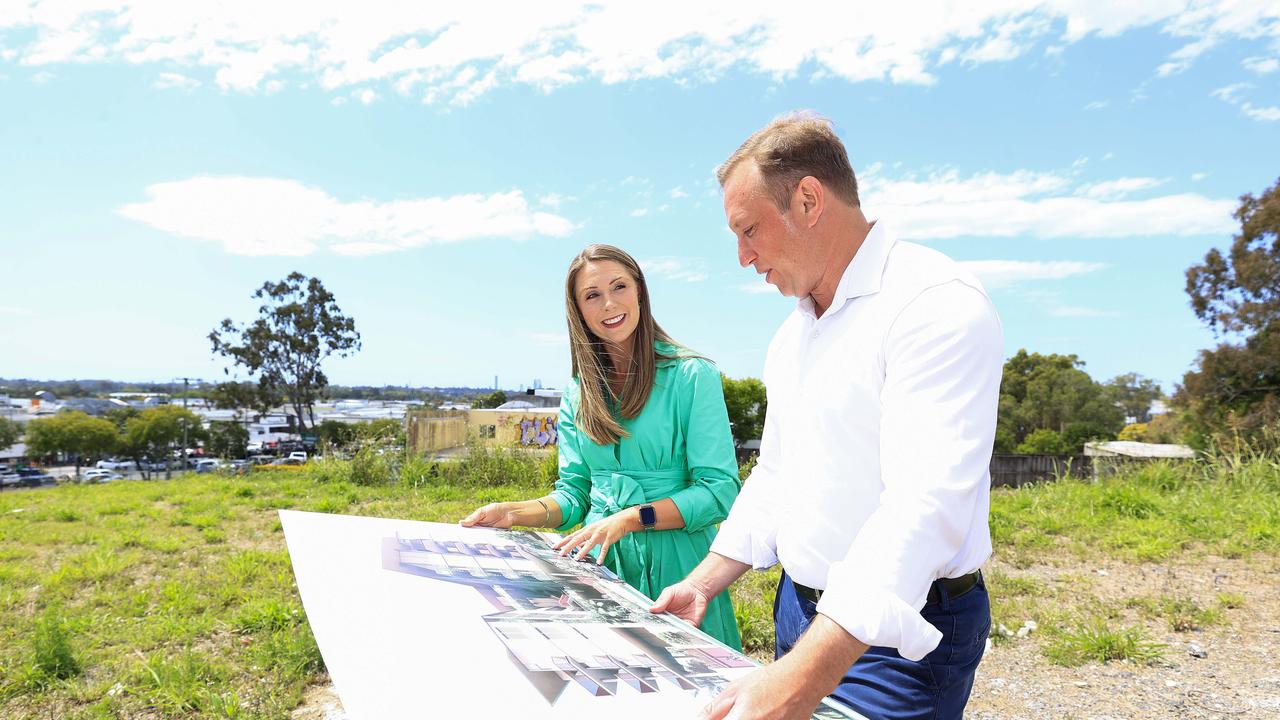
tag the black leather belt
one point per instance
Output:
(955, 587)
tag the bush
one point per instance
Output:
(1043, 442)
(53, 658)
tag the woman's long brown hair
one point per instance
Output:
(591, 362)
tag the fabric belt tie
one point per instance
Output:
(955, 587)
(613, 491)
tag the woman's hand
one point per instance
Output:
(604, 533)
(495, 515)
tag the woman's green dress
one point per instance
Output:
(680, 447)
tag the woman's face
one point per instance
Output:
(608, 300)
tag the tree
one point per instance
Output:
(1052, 392)
(72, 433)
(157, 430)
(746, 402)
(1240, 293)
(234, 395)
(299, 325)
(334, 434)
(10, 431)
(227, 439)
(1134, 394)
(492, 400)
(1234, 392)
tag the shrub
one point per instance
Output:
(1043, 442)
(53, 658)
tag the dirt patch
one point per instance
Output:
(320, 703)
(1239, 675)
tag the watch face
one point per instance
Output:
(648, 516)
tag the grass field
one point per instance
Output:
(176, 598)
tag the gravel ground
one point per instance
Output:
(1238, 675)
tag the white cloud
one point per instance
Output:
(639, 212)
(677, 192)
(1000, 273)
(676, 268)
(1199, 176)
(367, 96)
(269, 216)
(456, 52)
(1234, 95)
(551, 200)
(1097, 105)
(173, 80)
(14, 310)
(1118, 188)
(943, 204)
(1262, 66)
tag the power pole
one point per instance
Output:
(186, 384)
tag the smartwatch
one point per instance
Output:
(648, 516)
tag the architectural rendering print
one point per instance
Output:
(571, 626)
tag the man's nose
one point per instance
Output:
(745, 256)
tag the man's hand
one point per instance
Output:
(793, 686)
(686, 600)
(774, 692)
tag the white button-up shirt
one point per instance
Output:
(873, 476)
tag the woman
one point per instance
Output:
(646, 457)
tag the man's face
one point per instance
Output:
(767, 238)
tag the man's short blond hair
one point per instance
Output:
(791, 148)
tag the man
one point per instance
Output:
(872, 486)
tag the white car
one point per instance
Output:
(298, 455)
(96, 476)
(114, 464)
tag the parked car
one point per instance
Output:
(116, 464)
(97, 476)
(298, 455)
(207, 465)
(289, 461)
(153, 465)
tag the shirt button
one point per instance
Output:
(814, 333)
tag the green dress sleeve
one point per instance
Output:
(573, 486)
(708, 448)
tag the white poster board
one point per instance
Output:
(429, 620)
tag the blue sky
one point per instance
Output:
(437, 169)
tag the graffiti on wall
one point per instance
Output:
(538, 431)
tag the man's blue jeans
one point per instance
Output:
(883, 684)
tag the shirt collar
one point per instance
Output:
(863, 274)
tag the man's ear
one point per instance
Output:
(810, 197)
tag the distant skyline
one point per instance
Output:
(437, 168)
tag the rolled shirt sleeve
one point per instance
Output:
(573, 486)
(942, 360)
(712, 463)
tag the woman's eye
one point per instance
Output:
(591, 296)
(619, 286)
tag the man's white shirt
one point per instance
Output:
(873, 479)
